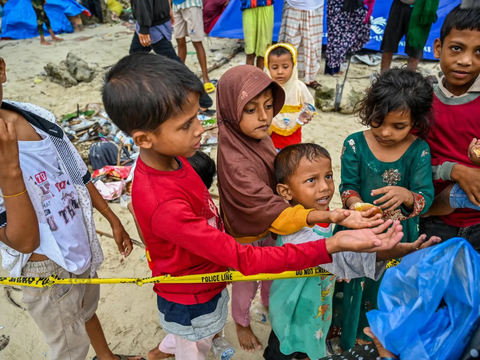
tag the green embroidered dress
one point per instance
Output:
(362, 172)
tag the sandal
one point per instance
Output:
(209, 87)
(314, 85)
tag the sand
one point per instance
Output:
(128, 312)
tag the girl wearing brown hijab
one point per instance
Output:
(247, 101)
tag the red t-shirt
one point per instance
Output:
(281, 142)
(454, 128)
(185, 235)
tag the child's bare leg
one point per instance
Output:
(441, 204)
(251, 59)
(54, 38)
(98, 341)
(260, 62)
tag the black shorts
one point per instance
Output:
(397, 27)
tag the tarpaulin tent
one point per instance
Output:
(230, 23)
(20, 21)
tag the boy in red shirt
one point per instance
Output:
(456, 107)
(155, 100)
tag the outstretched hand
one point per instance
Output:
(403, 249)
(356, 219)
(366, 240)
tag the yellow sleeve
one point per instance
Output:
(290, 220)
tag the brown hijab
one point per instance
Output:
(246, 178)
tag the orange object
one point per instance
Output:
(367, 206)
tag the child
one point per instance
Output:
(42, 18)
(46, 227)
(155, 100)
(247, 103)
(301, 309)
(257, 18)
(453, 197)
(281, 62)
(389, 167)
(456, 106)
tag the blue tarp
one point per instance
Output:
(230, 23)
(20, 22)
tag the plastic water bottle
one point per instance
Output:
(222, 350)
(308, 110)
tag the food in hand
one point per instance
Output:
(367, 206)
(477, 152)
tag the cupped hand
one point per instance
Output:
(403, 249)
(356, 219)
(470, 184)
(474, 146)
(393, 197)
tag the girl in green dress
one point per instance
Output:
(389, 167)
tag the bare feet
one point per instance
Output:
(57, 39)
(247, 339)
(156, 354)
(45, 42)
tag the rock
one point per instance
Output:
(324, 98)
(60, 75)
(79, 68)
(350, 99)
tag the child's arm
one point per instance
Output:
(176, 222)
(418, 198)
(124, 243)
(21, 232)
(350, 177)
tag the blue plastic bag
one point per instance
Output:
(429, 303)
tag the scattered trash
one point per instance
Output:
(4, 340)
(37, 81)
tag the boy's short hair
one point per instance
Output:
(142, 91)
(460, 19)
(398, 90)
(204, 167)
(287, 160)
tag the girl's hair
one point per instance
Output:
(398, 90)
(279, 51)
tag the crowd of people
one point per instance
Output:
(408, 182)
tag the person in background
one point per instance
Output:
(188, 21)
(154, 32)
(348, 28)
(456, 107)
(302, 26)
(413, 19)
(42, 18)
(257, 18)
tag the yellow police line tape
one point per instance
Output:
(227, 276)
